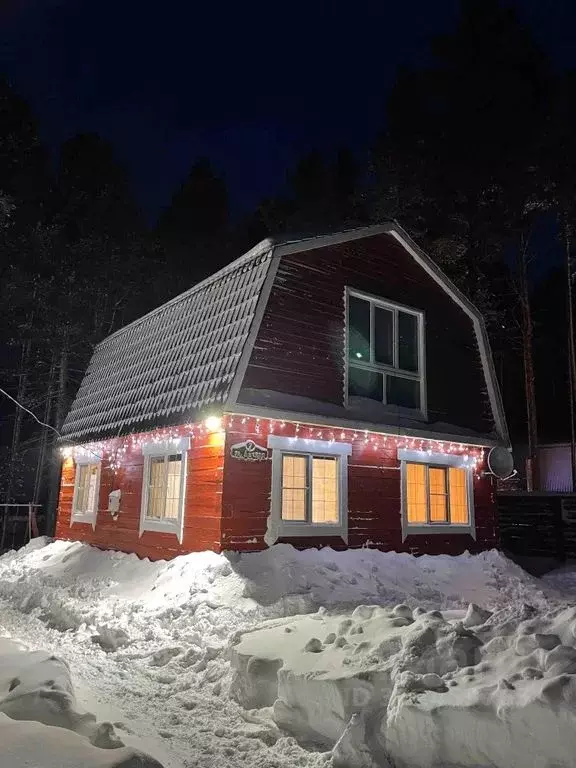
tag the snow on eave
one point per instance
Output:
(451, 433)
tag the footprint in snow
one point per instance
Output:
(189, 704)
(123, 727)
(164, 655)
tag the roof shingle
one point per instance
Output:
(177, 359)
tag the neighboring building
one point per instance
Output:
(555, 467)
(335, 390)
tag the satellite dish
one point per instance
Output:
(501, 463)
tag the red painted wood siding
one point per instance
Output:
(228, 501)
(374, 517)
(202, 512)
(300, 346)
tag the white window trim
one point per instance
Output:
(156, 449)
(443, 460)
(90, 516)
(394, 307)
(277, 527)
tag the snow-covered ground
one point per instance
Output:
(283, 658)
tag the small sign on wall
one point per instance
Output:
(248, 451)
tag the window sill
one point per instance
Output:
(284, 530)
(162, 526)
(374, 410)
(87, 519)
(427, 530)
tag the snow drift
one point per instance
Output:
(280, 658)
(41, 723)
(420, 688)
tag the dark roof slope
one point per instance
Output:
(175, 360)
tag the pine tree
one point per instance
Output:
(94, 192)
(24, 169)
(462, 166)
(194, 229)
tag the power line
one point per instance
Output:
(23, 407)
(42, 423)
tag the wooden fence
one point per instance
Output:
(538, 524)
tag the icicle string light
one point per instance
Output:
(376, 441)
(115, 450)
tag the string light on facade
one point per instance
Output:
(115, 452)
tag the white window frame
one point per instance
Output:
(92, 514)
(161, 450)
(393, 370)
(436, 460)
(294, 446)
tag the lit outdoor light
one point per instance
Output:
(66, 451)
(213, 423)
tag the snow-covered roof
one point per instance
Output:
(175, 360)
(192, 352)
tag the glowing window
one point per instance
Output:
(164, 485)
(436, 495)
(86, 489)
(310, 488)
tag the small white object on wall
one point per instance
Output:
(114, 502)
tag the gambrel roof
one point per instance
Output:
(191, 353)
(174, 360)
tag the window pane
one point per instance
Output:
(325, 490)
(91, 500)
(363, 383)
(383, 336)
(82, 487)
(407, 341)
(438, 495)
(458, 496)
(86, 481)
(174, 474)
(403, 392)
(294, 487)
(416, 493)
(294, 471)
(156, 487)
(293, 504)
(358, 329)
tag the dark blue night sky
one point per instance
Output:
(251, 85)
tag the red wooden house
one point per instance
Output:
(334, 390)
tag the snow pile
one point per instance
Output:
(562, 579)
(41, 724)
(342, 649)
(420, 688)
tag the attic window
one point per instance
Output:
(385, 352)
